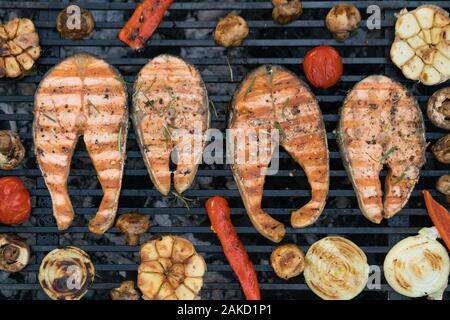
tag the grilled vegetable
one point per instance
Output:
(440, 217)
(438, 108)
(323, 67)
(219, 215)
(285, 11)
(421, 46)
(126, 291)
(19, 47)
(342, 20)
(15, 202)
(82, 95)
(74, 22)
(418, 266)
(66, 274)
(170, 112)
(273, 100)
(287, 260)
(133, 225)
(443, 186)
(336, 269)
(381, 124)
(143, 23)
(170, 269)
(441, 149)
(231, 31)
(14, 253)
(12, 151)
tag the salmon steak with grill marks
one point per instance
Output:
(381, 124)
(170, 113)
(82, 95)
(272, 99)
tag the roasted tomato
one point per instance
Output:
(15, 202)
(323, 67)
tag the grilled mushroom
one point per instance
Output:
(126, 291)
(12, 151)
(441, 149)
(133, 225)
(74, 22)
(14, 253)
(438, 108)
(342, 20)
(287, 261)
(285, 11)
(231, 31)
(443, 186)
(19, 47)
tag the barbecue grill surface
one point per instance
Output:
(187, 31)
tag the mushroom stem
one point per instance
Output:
(132, 239)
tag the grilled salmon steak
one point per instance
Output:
(381, 124)
(273, 99)
(83, 95)
(170, 113)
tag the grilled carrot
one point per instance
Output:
(219, 214)
(440, 217)
(144, 21)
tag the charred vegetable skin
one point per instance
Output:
(219, 215)
(143, 23)
(15, 202)
(381, 124)
(14, 253)
(440, 217)
(19, 47)
(12, 151)
(63, 22)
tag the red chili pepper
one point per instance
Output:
(15, 202)
(440, 217)
(144, 21)
(219, 214)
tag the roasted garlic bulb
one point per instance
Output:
(336, 269)
(19, 47)
(66, 274)
(170, 269)
(418, 266)
(422, 44)
(12, 151)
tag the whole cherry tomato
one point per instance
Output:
(323, 67)
(15, 202)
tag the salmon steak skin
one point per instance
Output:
(170, 113)
(271, 98)
(82, 95)
(381, 124)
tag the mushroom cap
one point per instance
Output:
(133, 223)
(14, 253)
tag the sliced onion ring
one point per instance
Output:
(418, 266)
(336, 269)
(66, 274)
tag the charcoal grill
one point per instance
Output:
(186, 31)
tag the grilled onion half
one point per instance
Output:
(336, 269)
(170, 269)
(66, 274)
(418, 266)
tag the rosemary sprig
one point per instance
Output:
(91, 105)
(230, 69)
(136, 92)
(250, 87)
(183, 199)
(402, 177)
(171, 126)
(388, 154)
(48, 117)
(167, 133)
(213, 106)
(169, 91)
(149, 101)
(280, 130)
(119, 144)
(285, 105)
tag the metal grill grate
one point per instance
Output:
(186, 31)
